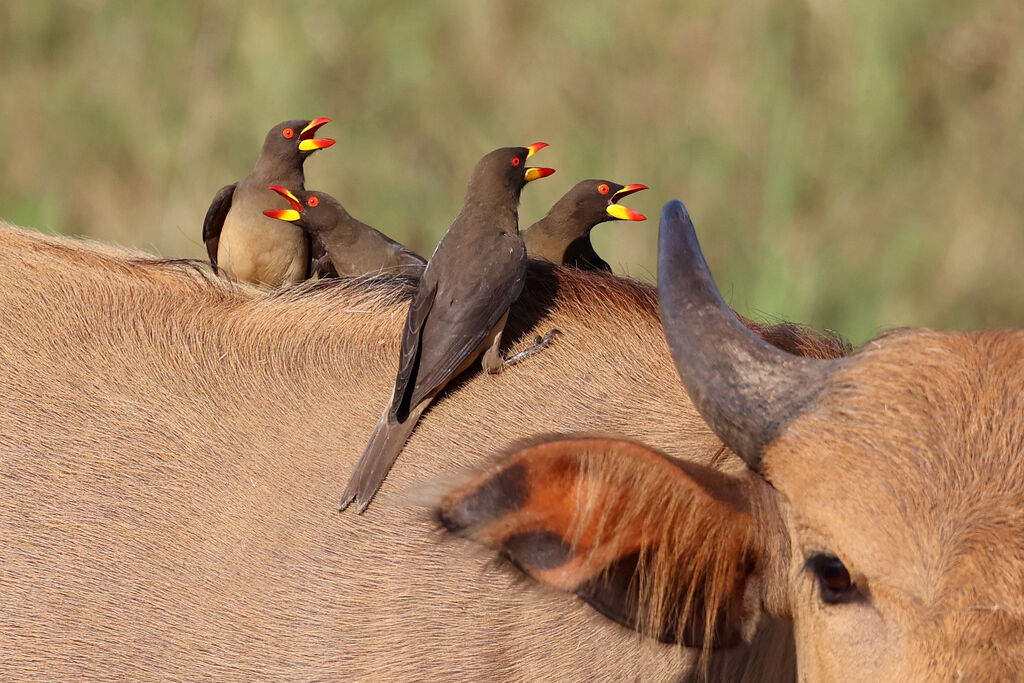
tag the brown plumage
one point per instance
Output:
(459, 309)
(243, 242)
(563, 235)
(350, 246)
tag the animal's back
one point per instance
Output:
(174, 447)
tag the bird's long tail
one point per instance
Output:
(380, 454)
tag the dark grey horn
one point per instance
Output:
(745, 388)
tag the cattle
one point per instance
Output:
(172, 449)
(881, 510)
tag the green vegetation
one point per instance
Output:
(853, 165)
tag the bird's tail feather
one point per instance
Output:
(380, 454)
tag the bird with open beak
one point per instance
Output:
(240, 240)
(459, 309)
(351, 247)
(563, 235)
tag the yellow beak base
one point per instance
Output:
(624, 214)
(283, 214)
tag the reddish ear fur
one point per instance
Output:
(659, 546)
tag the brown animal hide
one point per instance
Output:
(172, 448)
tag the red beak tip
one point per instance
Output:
(309, 131)
(628, 190)
(284, 192)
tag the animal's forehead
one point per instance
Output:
(295, 124)
(911, 461)
(496, 168)
(592, 187)
(504, 155)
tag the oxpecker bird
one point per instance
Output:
(563, 235)
(243, 242)
(459, 308)
(351, 247)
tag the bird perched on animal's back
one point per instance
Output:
(563, 235)
(351, 246)
(240, 240)
(458, 310)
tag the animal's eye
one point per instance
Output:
(288, 133)
(516, 161)
(834, 582)
(312, 201)
(603, 189)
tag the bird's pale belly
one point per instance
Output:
(489, 349)
(262, 253)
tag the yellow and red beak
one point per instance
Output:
(292, 214)
(308, 143)
(535, 173)
(622, 213)
(534, 148)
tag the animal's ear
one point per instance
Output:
(659, 546)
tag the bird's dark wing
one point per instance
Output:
(410, 263)
(214, 221)
(408, 257)
(459, 326)
(320, 263)
(408, 361)
(581, 254)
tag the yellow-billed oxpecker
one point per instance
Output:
(563, 235)
(459, 308)
(351, 247)
(240, 240)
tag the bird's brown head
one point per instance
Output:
(503, 173)
(595, 201)
(309, 209)
(292, 141)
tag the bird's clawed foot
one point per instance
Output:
(539, 344)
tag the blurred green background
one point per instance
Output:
(853, 165)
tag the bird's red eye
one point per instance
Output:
(312, 201)
(516, 161)
(602, 188)
(288, 133)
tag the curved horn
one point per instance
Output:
(745, 388)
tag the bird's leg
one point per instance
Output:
(539, 344)
(492, 360)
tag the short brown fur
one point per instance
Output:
(171, 451)
(922, 439)
(611, 499)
